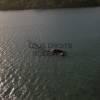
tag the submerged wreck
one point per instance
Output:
(46, 51)
(57, 52)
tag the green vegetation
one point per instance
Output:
(45, 4)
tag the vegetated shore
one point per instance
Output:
(46, 4)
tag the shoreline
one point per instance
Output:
(48, 8)
(46, 4)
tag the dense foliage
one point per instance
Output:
(29, 4)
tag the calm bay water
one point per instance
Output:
(27, 77)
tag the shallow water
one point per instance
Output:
(24, 76)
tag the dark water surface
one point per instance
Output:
(24, 76)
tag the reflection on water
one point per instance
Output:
(27, 77)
